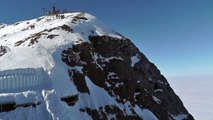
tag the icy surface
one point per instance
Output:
(146, 114)
(134, 60)
(20, 98)
(20, 113)
(179, 117)
(22, 79)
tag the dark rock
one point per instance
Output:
(7, 107)
(108, 60)
(70, 100)
(3, 50)
(79, 81)
(51, 36)
(71, 58)
(66, 28)
(80, 16)
(94, 114)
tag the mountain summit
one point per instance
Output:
(71, 66)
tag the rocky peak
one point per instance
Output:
(108, 64)
(92, 70)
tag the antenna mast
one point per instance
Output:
(44, 10)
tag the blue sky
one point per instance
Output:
(177, 35)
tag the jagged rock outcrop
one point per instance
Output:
(108, 64)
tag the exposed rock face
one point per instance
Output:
(3, 50)
(90, 72)
(2, 25)
(118, 67)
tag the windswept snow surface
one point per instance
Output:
(45, 52)
(41, 54)
(30, 56)
(196, 94)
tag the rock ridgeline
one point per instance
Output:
(140, 84)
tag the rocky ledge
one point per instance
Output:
(117, 66)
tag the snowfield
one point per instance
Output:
(30, 57)
(16, 39)
(196, 94)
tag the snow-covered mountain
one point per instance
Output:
(71, 66)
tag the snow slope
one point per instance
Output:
(20, 31)
(25, 48)
(196, 93)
